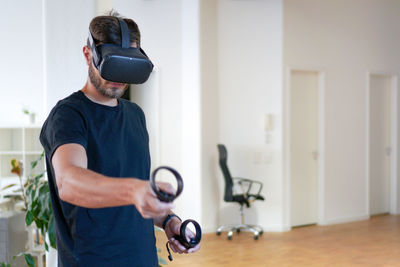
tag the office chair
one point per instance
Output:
(244, 198)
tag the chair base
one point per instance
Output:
(255, 229)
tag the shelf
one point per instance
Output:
(22, 143)
(11, 139)
(33, 152)
(31, 139)
(19, 126)
(11, 152)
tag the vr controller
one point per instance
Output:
(168, 197)
(162, 195)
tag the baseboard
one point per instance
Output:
(209, 229)
(345, 220)
(269, 228)
(276, 228)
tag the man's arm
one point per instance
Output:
(82, 187)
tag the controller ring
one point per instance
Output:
(162, 195)
(193, 241)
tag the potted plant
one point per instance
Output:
(30, 115)
(35, 198)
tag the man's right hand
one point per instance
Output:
(146, 201)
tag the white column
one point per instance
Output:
(191, 117)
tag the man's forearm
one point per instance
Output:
(86, 188)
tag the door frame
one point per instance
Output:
(394, 194)
(321, 145)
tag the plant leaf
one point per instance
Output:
(8, 186)
(28, 218)
(16, 167)
(29, 260)
(33, 164)
(39, 175)
(18, 255)
(17, 190)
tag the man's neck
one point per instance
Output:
(91, 92)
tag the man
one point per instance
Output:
(98, 165)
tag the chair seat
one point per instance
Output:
(240, 198)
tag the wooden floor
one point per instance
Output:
(374, 242)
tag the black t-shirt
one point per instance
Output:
(117, 145)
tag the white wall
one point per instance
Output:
(66, 31)
(345, 39)
(250, 86)
(21, 65)
(42, 60)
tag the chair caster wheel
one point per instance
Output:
(237, 230)
(230, 234)
(255, 237)
(218, 233)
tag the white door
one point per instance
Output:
(147, 97)
(304, 147)
(379, 144)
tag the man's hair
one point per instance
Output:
(106, 29)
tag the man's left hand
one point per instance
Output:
(173, 228)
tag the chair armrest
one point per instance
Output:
(250, 182)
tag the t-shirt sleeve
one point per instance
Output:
(65, 125)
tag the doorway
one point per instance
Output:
(381, 143)
(303, 151)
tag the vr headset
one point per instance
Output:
(122, 64)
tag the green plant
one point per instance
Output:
(39, 205)
(28, 259)
(35, 196)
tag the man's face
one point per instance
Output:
(104, 87)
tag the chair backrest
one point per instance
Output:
(223, 158)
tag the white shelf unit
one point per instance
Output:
(21, 143)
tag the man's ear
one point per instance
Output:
(87, 53)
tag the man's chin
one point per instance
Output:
(112, 92)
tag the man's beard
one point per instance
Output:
(112, 92)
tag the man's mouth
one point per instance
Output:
(117, 84)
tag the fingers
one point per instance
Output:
(189, 234)
(177, 247)
(147, 203)
(166, 187)
(194, 249)
(154, 208)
